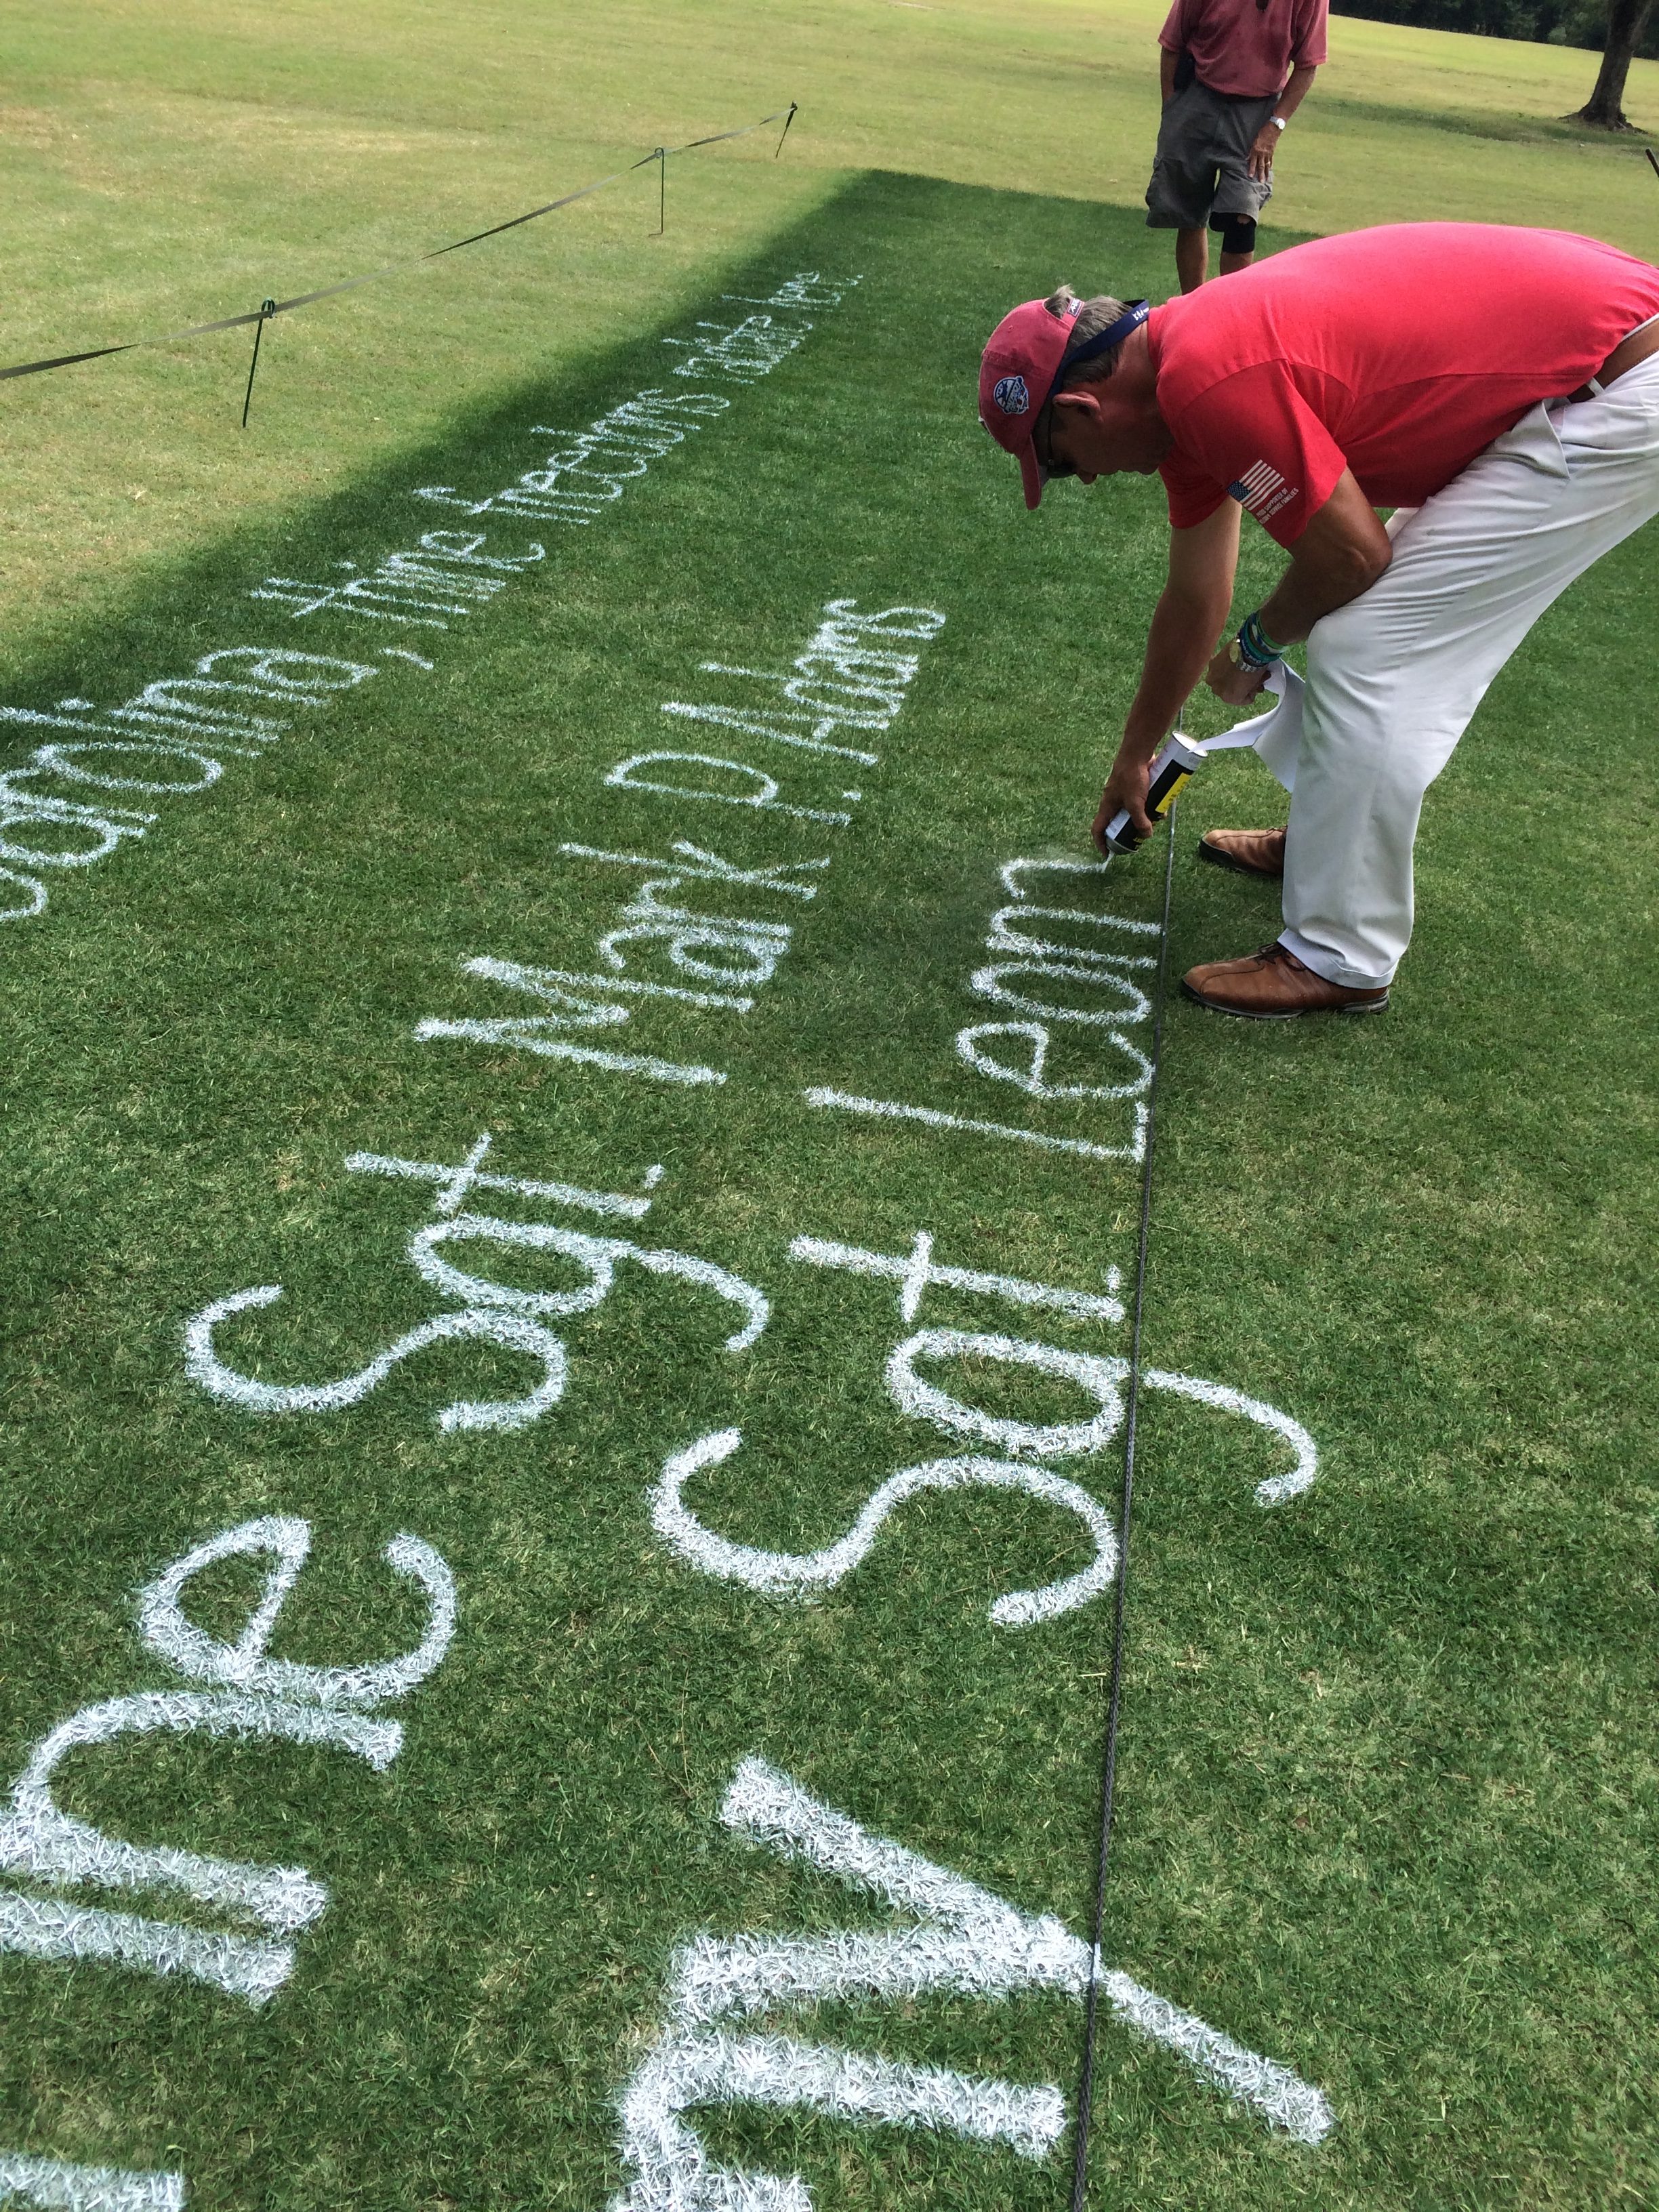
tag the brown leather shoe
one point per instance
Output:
(1273, 986)
(1252, 852)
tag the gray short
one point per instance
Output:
(1202, 165)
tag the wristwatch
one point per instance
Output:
(1278, 121)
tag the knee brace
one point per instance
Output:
(1237, 232)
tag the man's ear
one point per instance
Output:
(1080, 395)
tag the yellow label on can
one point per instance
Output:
(1183, 777)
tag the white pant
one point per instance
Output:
(1394, 676)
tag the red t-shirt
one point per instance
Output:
(1399, 353)
(1240, 48)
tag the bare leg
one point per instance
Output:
(1191, 257)
(1230, 262)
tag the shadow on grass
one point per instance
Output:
(156, 622)
(184, 606)
(1516, 129)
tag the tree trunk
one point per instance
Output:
(1626, 19)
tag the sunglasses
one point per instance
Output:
(1043, 444)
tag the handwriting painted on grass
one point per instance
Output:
(753, 347)
(251, 1697)
(174, 737)
(920, 1395)
(492, 1311)
(848, 680)
(584, 471)
(428, 586)
(712, 956)
(1060, 969)
(715, 2049)
(170, 740)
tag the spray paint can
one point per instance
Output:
(1174, 765)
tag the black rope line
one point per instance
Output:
(1648, 150)
(263, 313)
(1115, 1703)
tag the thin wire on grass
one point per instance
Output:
(263, 313)
(1113, 1710)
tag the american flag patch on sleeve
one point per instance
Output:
(1263, 490)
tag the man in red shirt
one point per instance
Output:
(1498, 388)
(1234, 72)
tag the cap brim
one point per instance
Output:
(1034, 474)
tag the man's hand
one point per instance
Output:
(1237, 685)
(1266, 143)
(1191, 608)
(1125, 786)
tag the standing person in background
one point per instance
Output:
(1234, 73)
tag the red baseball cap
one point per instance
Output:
(1016, 373)
(1017, 370)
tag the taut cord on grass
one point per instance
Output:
(263, 313)
(1115, 1701)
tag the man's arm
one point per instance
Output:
(1296, 91)
(1191, 610)
(1266, 140)
(1171, 40)
(1340, 554)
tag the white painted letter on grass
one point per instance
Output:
(203, 1365)
(800, 1574)
(1101, 1375)
(961, 1940)
(54, 2185)
(261, 1700)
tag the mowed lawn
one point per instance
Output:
(1388, 1787)
(166, 166)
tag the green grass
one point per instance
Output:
(163, 166)
(1389, 1788)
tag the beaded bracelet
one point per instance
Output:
(1255, 646)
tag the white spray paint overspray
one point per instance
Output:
(512, 1331)
(582, 1002)
(257, 1698)
(800, 1574)
(965, 1941)
(54, 2185)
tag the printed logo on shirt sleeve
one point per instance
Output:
(1264, 491)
